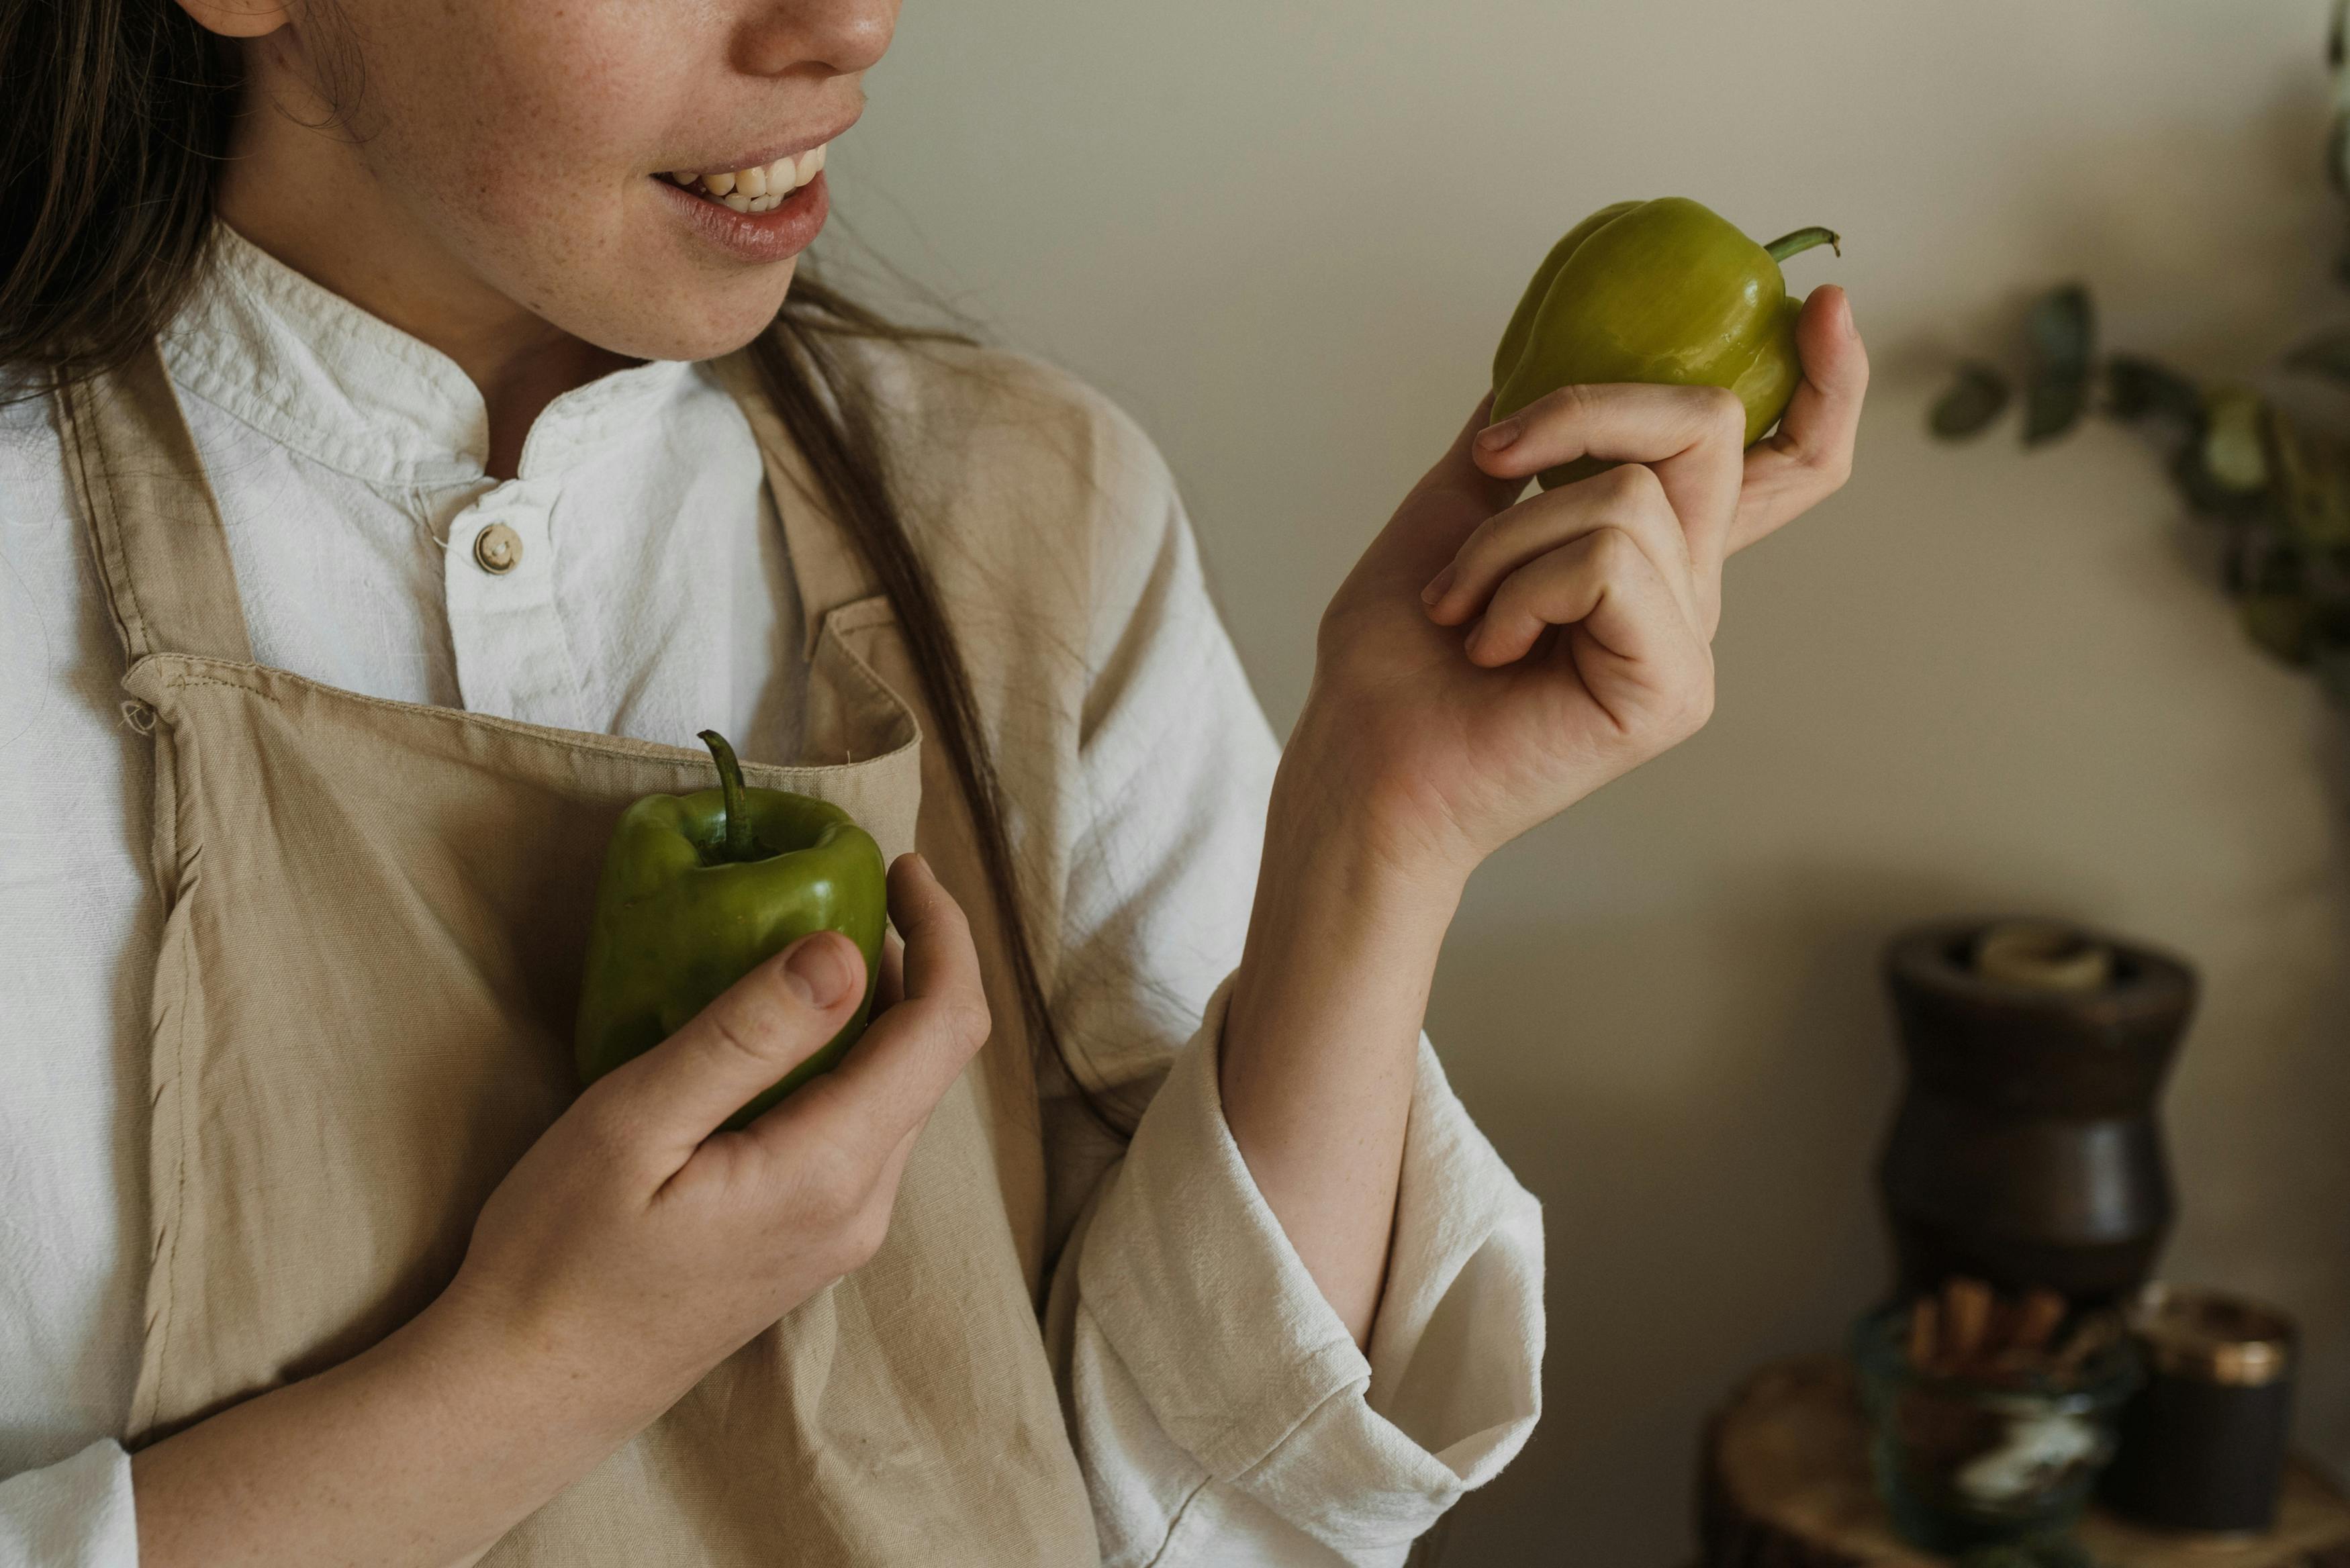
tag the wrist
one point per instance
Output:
(1345, 876)
(1317, 1057)
(1335, 809)
(493, 1370)
(1351, 891)
(426, 1447)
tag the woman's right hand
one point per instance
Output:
(633, 1248)
(636, 1244)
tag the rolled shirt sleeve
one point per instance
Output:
(1221, 1409)
(1223, 1413)
(73, 1514)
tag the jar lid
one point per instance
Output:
(2043, 955)
(2209, 1336)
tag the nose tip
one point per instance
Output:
(837, 37)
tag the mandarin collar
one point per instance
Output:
(314, 372)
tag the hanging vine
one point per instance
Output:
(2275, 485)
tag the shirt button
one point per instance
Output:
(497, 549)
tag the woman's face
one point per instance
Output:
(520, 152)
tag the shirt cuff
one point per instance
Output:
(73, 1514)
(1190, 1279)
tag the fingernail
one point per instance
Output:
(1851, 327)
(1493, 438)
(1436, 586)
(817, 972)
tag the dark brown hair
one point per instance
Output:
(109, 97)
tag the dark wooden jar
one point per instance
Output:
(2026, 1150)
(2203, 1444)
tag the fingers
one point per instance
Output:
(1810, 455)
(892, 989)
(766, 1023)
(1630, 497)
(1460, 471)
(1603, 581)
(893, 1169)
(911, 1053)
(1691, 437)
(1451, 499)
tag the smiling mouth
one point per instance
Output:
(761, 188)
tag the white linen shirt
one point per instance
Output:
(652, 595)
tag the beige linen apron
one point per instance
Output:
(375, 913)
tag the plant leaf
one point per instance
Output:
(2235, 439)
(2280, 570)
(1978, 395)
(2280, 623)
(2209, 498)
(2332, 665)
(2062, 331)
(2139, 388)
(2327, 355)
(2310, 482)
(2051, 406)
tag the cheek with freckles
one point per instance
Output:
(524, 135)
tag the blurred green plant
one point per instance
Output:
(2276, 485)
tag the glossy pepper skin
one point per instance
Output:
(1663, 291)
(699, 889)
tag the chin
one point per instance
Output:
(701, 322)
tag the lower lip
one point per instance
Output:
(774, 236)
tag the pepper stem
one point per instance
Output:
(729, 782)
(1803, 240)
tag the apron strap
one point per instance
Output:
(161, 551)
(825, 563)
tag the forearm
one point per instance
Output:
(420, 1452)
(1321, 1041)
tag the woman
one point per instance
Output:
(417, 433)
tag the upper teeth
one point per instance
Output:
(760, 188)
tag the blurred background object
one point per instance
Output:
(1787, 1483)
(2203, 1446)
(1983, 1435)
(2026, 1151)
(1283, 234)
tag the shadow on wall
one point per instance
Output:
(1706, 1183)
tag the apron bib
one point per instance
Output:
(374, 915)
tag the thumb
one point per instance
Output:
(760, 1028)
(1446, 507)
(1461, 471)
(1807, 458)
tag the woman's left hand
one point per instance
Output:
(1590, 608)
(1591, 611)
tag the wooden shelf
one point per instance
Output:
(1786, 1485)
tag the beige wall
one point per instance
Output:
(1285, 233)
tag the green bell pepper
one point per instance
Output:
(1661, 291)
(699, 889)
